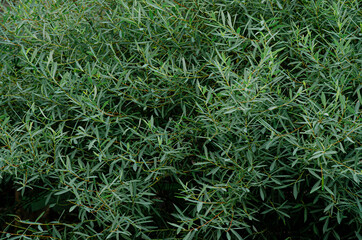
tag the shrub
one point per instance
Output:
(181, 119)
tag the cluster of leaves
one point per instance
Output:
(182, 119)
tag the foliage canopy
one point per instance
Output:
(202, 119)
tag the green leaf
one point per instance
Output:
(295, 191)
(54, 69)
(323, 97)
(199, 206)
(316, 186)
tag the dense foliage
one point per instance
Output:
(187, 119)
